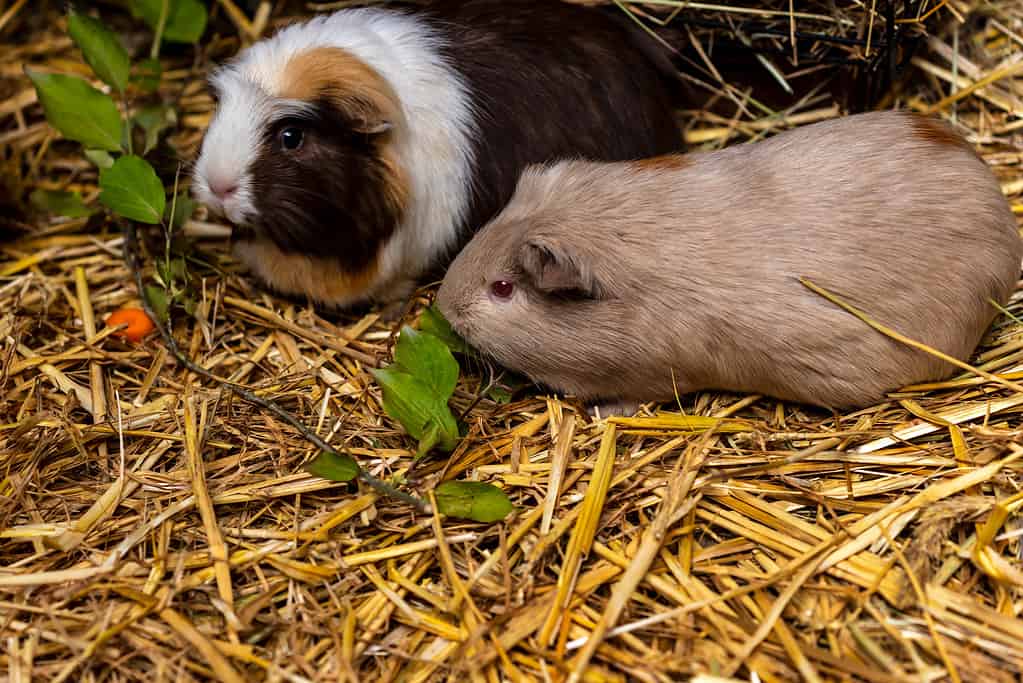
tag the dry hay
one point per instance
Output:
(154, 528)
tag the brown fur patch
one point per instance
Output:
(663, 162)
(350, 84)
(931, 129)
(324, 280)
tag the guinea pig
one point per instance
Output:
(356, 152)
(623, 282)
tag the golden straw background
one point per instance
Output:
(155, 528)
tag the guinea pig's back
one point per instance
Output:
(891, 212)
(894, 210)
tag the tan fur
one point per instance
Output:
(319, 279)
(631, 277)
(348, 82)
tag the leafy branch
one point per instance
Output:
(343, 464)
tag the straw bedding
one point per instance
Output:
(154, 527)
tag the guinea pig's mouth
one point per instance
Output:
(238, 219)
(465, 333)
(451, 313)
(237, 209)
(454, 319)
(241, 229)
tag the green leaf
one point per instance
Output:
(146, 75)
(417, 407)
(417, 387)
(153, 121)
(428, 359)
(433, 322)
(189, 304)
(333, 466)
(102, 49)
(79, 111)
(174, 271)
(157, 298)
(60, 203)
(183, 207)
(473, 500)
(132, 189)
(431, 435)
(499, 394)
(101, 158)
(186, 19)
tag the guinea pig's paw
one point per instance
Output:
(392, 312)
(394, 305)
(612, 409)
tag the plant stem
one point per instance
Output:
(126, 123)
(154, 52)
(133, 261)
(169, 229)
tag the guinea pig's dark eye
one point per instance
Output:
(502, 289)
(291, 138)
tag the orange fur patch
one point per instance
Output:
(346, 81)
(322, 280)
(931, 129)
(663, 162)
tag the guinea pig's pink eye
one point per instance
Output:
(502, 289)
(291, 138)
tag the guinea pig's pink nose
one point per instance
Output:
(223, 188)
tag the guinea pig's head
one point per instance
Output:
(299, 154)
(529, 297)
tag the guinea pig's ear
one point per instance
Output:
(371, 125)
(553, 267)
(364, 116)
(375, 127)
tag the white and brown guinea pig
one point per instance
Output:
(612, 281)
(359, 150)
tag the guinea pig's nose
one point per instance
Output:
(222, 188)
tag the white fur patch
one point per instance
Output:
(435, 150)
(231, 145)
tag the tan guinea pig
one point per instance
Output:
(612, 281)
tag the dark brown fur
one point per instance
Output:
(554, 80)
(305, 206)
